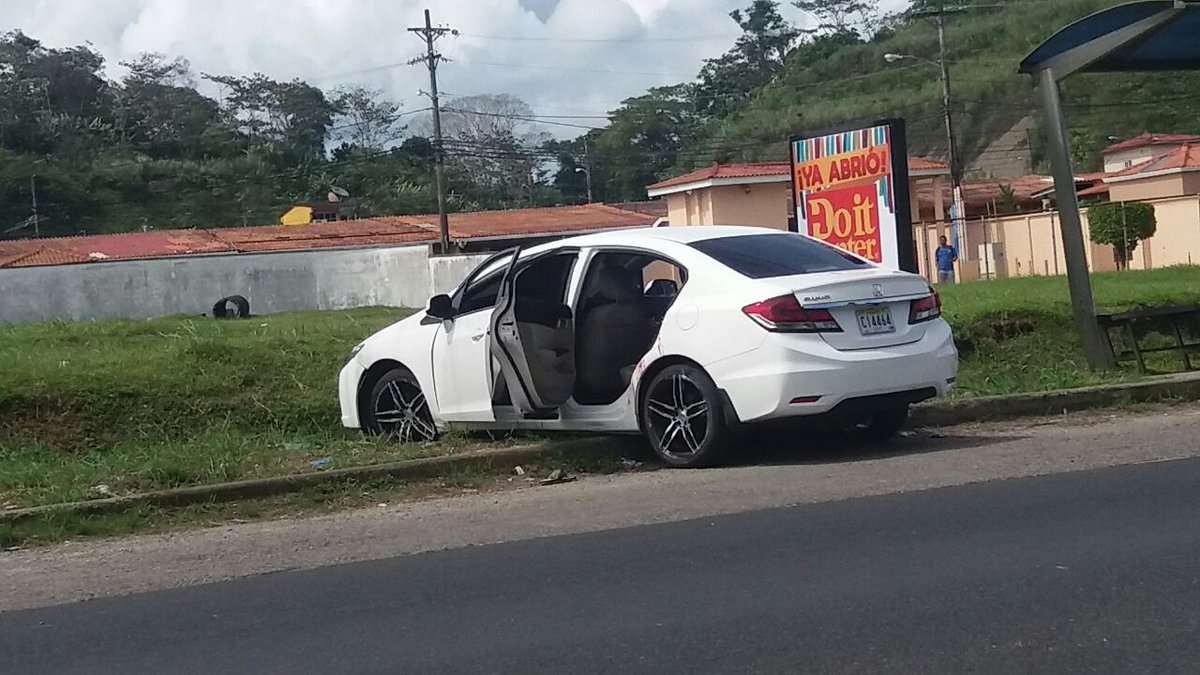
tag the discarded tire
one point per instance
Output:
(232, 307)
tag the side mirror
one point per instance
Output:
(441, 307)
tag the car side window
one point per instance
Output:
(545, 278)
(481, 294)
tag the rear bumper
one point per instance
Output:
(348, 381)
(792, 375)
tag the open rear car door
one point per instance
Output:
(533, 339)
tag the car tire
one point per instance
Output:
(396, 408)
(879, 426)
(681, 402)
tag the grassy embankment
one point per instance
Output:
(139, 405)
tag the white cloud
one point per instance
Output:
(331, 42)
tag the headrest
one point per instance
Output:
(614, 284)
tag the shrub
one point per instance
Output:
(1122, 225)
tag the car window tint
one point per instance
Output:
(481, 294)
(546, 280)
(761, 256)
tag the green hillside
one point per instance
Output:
(822, 87)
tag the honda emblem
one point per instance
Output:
(878, 290)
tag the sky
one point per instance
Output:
(563, 57)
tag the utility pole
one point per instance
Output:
(587, 157)
(431, 59)
(37, 231)
(951, 143)
(956, 171)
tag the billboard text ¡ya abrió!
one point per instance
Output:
(844, 187)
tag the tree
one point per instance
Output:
(161, 113)
(644, 140)
(839, 16)
(492, 148)
(756, 57)
(292, 118)
(52, 97)
(1008, 202)
(1121, 225)
(367, 120)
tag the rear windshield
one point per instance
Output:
(761, 256)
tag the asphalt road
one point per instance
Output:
(1095, 571)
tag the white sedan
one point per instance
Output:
(681, 334)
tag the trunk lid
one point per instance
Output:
(871, 306)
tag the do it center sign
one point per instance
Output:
(845, 189)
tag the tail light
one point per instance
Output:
(785, 315)
(927, 308)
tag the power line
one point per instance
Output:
(522, 38)
(524, 118)
(535, 66)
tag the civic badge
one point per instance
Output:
(877, 289)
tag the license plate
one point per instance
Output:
(875, 321)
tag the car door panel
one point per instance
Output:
(533, 340)
(461, 358)
(462, 369)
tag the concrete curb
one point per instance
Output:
(413, 469)
(1185, 386)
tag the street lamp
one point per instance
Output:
(588, 175)
(951, 144)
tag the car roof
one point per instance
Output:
(650, 235)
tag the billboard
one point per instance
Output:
(850, 189)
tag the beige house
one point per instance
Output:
(1129, 153)
(761, 194)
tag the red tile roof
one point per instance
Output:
(765, 169)
(389, 231)
(716, 171)
(980, 194)
(1184, 157)
(1147, 139)
(1093, 191)
(531, 222)
(922, 164)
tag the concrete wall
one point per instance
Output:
(1177, 239)
(273, 282)
(1031, 244)
(446, 272)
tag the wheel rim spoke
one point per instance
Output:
(698, 409)
(677, 392)
(423, 427)
(689, 438)
(397, 396)
(669, 435)
(661, 409)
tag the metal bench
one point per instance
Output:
(1136, 325)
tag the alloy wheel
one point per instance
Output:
(402, 412)
(678, 416)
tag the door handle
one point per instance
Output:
(477, 338)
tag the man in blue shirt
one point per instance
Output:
(946, 256)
